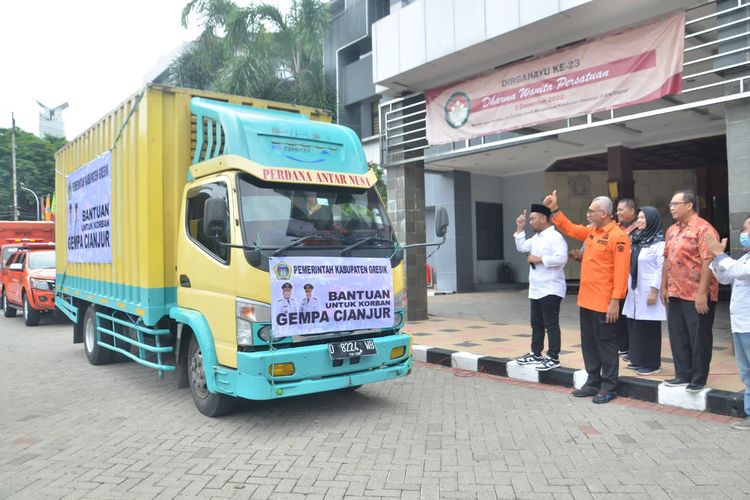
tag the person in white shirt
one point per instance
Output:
(309, 303)
(546, 252)
(287, 304)
(737, 273)
(642, 308)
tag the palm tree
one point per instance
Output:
(257, 51)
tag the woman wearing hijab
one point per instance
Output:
(642, 307)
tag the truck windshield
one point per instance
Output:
(42, 260)
(275, 215)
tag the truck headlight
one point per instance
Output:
(249, 312)
(39, 284)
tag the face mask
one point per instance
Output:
(745, 240)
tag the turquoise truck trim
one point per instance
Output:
(314, 370)
(145, 351)
(277, 138)
(198, 324)
(151, 304)
(67, 308)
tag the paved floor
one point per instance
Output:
(72, 430)
(495, 323)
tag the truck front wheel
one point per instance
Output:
(30, 315)
(8, 310)
(208, 403)
(96, 354)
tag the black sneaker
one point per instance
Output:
(548, 364)
(695, 387)
(584, 392)
(631, 366)
(675, 382)
(604, 397)
(622, 352)
(529, 359)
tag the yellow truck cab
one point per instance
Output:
(238, 242)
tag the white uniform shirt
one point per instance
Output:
(737, 273)
(286, 306)
(548, 277)
(309, 305)
(650, 263)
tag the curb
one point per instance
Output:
(709, 400)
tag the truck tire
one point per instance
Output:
(8, 310)
(96, 354)
(208, 403)
(30, 315)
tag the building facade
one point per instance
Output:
(348, 64)
(692, 135)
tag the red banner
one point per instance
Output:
(629, 67)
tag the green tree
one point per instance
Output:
(380, 183)
(257, 51)
(35, 167)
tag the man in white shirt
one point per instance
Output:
(309, 303)
(287, 304)
(547, 253)
(737, 272)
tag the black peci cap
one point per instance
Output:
(541, 209)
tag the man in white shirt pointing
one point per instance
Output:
(547, 253)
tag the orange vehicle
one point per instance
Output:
(28, 282)
(14, 234)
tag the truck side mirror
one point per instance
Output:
(17, 266)
(441, 222)
(215, 217)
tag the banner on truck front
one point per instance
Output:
(625, 68)
(311, 295)
(88, 211)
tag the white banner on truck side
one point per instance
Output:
(88, 211)
(312, 295)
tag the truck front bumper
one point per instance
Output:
(314, 370)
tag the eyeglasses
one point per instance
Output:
(675, 203)
(589, 211)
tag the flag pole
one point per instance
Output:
(13, 162)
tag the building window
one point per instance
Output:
(489, 231)
(375, 117)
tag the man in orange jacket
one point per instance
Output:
(604, 283)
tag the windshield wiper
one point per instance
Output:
(368, 239)
(292, 244)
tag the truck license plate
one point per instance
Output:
(351, 349)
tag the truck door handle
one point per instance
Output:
(184, 281)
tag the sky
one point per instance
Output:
(91, 54)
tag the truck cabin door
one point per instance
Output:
(15, 277)
(205, 271)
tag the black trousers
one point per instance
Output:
(622, 332)
(599, 347)
(645, 343)
(691, 338)
(545, 315)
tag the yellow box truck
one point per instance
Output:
(238, 242)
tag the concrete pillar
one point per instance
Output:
(406, 207)
(737, 116)
(620, 173)
(463, 232)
